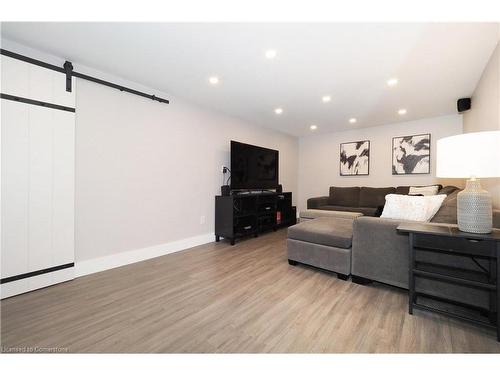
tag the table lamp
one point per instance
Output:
(471, 156)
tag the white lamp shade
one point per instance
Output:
(469, 155)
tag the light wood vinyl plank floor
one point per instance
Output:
(229, 299)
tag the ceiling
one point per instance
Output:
(435, 64)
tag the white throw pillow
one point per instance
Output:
(424, 190)
(407, 207)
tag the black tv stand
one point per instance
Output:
(249, 214)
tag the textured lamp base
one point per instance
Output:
(474, 211)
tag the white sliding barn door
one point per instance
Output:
(38, 177)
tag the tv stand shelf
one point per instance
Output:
(241, 215)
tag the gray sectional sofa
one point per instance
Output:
(367, 200)
(368, 247)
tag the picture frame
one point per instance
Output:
(411, 154)
(354, 158)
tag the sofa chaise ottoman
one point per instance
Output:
(314, 214)
(324, 242)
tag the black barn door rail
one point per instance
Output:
(69, 72)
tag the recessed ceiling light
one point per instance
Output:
(392, 82)
(313, 127)
(326, 98)
(213, 80)
(402, 111)
(278, 111)
(271, 54)
(352, 120)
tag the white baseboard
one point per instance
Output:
(89, 266)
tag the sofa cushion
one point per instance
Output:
(374, 197)
(314, 214)
(496, 219)
(447, 190)
(344, 196)
(448, 211)
(402, 190)
(424, 190)
(326, 231)
(367, 211)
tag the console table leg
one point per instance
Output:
(232, 241)
(411, 278)
(217, 238)
(492, 294)
(497, 302)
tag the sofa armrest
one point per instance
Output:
(317, 202)
(496, 219)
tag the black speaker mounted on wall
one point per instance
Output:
(463, 104)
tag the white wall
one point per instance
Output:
(485, 113)
(319, 156)
(146, 172)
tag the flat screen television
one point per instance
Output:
(253, 167)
